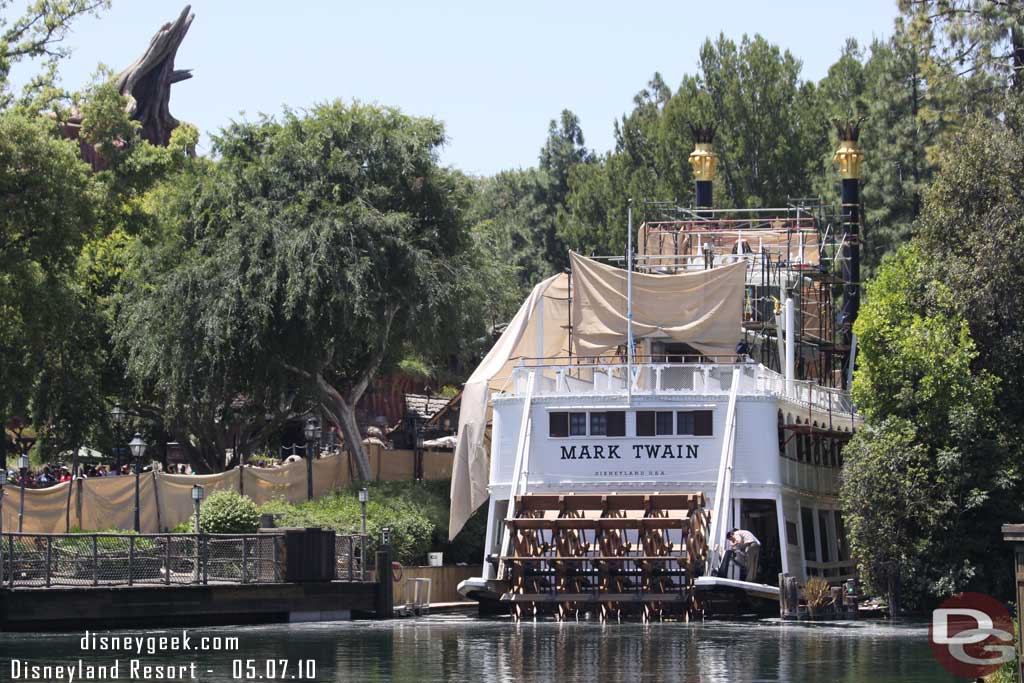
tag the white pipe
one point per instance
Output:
(723, 485)
(790, 347)
(780, 325)
(853, 359)
(518, 485)
(629, 301)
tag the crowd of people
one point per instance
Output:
(51, 475)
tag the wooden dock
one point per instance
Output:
(68, 608)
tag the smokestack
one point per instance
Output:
(849, 157)
(704, 163)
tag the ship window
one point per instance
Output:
(826, 541)
(695, 422)
(645, 423)
(842, 549)
(558, 424)
(615, 423)
(577, 424)
(807, 521)
(791, 537)
(664, 423)
(598, 424)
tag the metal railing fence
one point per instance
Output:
(45, 560)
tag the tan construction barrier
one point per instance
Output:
(165, 500)
(174, 492)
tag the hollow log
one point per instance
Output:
(147, 82)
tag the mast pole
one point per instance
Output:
(629, 299)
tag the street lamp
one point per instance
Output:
(118, 416)
(23, 472)
(312, 434)
(197, 499)
(3, 482)
(138, 448)
(364, 498)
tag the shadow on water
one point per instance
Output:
(455, 647)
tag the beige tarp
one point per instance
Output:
(175, 493)
(703, 309)
(166, 499)
(437, 465)
(45, 509)
(287, 482)
(109, 503)
(329, 474)
(537, 330)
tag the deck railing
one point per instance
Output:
(565, 376)
(98, 559)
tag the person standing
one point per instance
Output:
(746, 543)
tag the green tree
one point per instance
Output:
(930, 448)
(39, 242)
(307, 256)
(752, 92)
(38, 33)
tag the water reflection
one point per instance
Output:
(459, 648)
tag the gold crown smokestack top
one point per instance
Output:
(849, 157)
(704, 162)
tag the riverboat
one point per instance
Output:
(637, 408)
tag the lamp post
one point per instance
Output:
(312, 434)
(197, 499)
(138, 449)
(118, 416)
(23, 472)
(364, 498)
(3, 482)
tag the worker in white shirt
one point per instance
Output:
(746, 545)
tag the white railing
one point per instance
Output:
(558, 377)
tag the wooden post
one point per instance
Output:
(783, 603)
(1014, 533)
(385, 588)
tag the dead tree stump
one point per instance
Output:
(147, 83)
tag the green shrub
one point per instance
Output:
(415, 511)
(227, 512)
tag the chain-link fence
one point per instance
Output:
(42, 560)
(33, 561)
(349, 553)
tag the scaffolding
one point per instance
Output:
(797, 251)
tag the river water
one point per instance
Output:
(458, 647)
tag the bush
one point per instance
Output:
(415, 511)
(817, 593)
(227, 512)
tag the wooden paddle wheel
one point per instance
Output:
(614, 555)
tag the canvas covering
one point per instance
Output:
(703, 309)
(165, 500)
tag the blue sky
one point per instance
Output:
(495, 73)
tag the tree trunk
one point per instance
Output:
(147, 83)
(353, 440)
